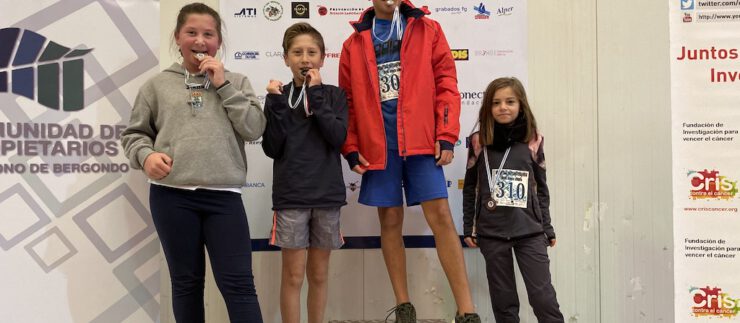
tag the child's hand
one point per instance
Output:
(275, 87)
(470, 241)
(361, 169)
(313, 77)
(443, 157)
(553, 242)
(157, 165)
(214, 68)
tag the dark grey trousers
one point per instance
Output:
(534, 264)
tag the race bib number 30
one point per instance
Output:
(389, 75)
(512, 188)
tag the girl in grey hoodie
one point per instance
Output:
(187, 132)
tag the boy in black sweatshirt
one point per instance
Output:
(306, 127)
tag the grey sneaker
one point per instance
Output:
(467, 318)
(405, 313)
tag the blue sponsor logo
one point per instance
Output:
(246, 55)
(687, 4)
(481, 12)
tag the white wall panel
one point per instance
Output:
(635, 161)
(562, 92)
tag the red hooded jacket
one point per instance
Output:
(428, 99)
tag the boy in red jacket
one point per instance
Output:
(404, 106)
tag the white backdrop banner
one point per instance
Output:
(77, 243)
(704, 92)
(488, 40)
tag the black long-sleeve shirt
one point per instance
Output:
(307, 171)
(508, 222)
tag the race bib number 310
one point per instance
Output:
(389, 77)
(512, 188)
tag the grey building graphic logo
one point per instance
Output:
(57, 229)
(41, 70)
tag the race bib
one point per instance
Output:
(512, 188)
(389, 77)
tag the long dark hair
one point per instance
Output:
(486, 117)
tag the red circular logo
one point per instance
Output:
(323, 11)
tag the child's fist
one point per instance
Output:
(275, 87)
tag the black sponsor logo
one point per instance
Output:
(246, 13)
(299, 10)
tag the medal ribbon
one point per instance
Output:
(492, 183)
(394, 23)
(303, 96)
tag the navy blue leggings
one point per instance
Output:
(186, 221)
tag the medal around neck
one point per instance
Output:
(490, 201)
(302, 97)
(195, 91)
(395, 23)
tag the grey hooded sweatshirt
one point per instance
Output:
(206, 144)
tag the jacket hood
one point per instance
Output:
(175, 68)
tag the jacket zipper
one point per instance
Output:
(380, 110)
(404, 44)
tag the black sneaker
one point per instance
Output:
(467, 318)
(405, 313)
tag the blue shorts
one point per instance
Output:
(417, 176)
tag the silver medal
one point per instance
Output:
(196, 98)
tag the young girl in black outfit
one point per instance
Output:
(507, 154)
